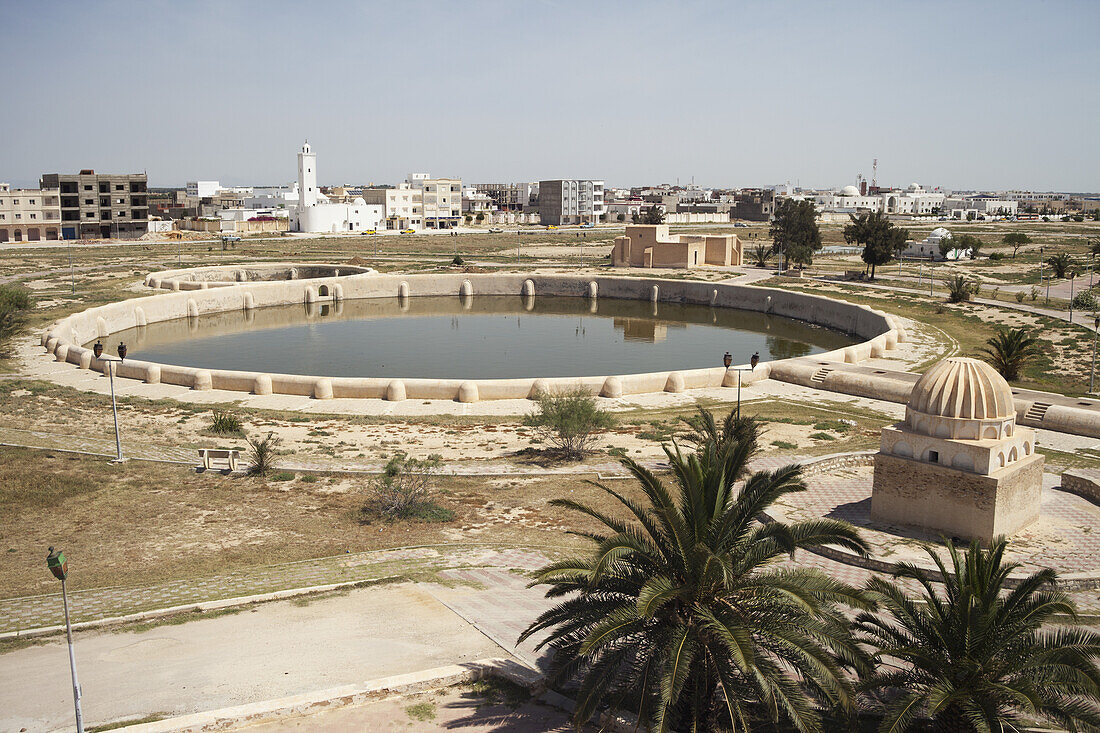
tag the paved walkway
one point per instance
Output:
(98, 603)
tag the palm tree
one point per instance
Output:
(1060, 263)
(761, 253)
(703, 428)
(973, 656)
(1009, 350)
(959, 289)
(680, 613)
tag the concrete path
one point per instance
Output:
(265, 652)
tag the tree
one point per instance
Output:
(878, 236)
(1009, 350)
(1060, 263)
(761, 253)
(959, 290)
(261, 454)
(654, 215)
(961, 244)
(568, 420)
(794, 231)
(703, 428)
(973, 655)
(15, 304)
(680, 613)
(1016, 240)
(620, 217)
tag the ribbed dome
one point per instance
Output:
(959, 387)
(849, 191)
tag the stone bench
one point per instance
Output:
(226, 459)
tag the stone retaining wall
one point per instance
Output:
(880, 331)
(220, 276)
(1083, 482)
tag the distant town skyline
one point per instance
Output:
(963, 95)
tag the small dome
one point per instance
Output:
(914, 187)
(849, 191)
(960, 387)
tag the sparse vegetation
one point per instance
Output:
(405, 490)
(568, 421)
(261, 454)
(15, 304)
(225, 423)
(959, 289)
(422, 711)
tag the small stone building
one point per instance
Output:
(650, 245)
(958, 465)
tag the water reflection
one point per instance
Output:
(474, 337)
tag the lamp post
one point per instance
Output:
(1092, 372)
(727, 359)
(97, 350)
(59, 566)
(1072, 277)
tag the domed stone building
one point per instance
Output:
(958, 465)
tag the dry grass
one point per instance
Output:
(141, 523)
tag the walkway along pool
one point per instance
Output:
(609, 335)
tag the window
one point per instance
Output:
(90, 215)
(18, 216)
(88, 187)
(119, 187)
(34, 216)
(32, 202)
(15, 202)
(933, 456)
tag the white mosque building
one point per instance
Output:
(313, 211)
(914, 201)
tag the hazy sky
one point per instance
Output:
(960, 94)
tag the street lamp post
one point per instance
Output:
(1072, 277)
(1092, 372)
(727, 359)
(59, 566)
(97, 350)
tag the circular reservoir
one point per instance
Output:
(483, 337)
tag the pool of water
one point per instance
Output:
(482, 337)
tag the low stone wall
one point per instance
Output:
(65, 337)
(1083, 482)
(219, 276)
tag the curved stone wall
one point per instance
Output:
(220, 276)
(879, 331)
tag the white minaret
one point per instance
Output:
(307, 177)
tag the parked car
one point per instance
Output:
(494, 230)
(551, 226)
(371, 231)
(588, 225)
(408, 231)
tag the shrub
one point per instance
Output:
(261, 454)
(404, 490)
(761, 253)
(567, 420)
(1034, 294)
(996, 256)
(15, 302)
(620, 217)
(1010, 350)
(1020, 295)
(457, 261)
(958, 290)
(225, 423)
(1085, 301)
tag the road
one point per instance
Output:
(263, 652)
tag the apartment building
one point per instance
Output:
(441, 199)
(29, 214)
(101, 206)
(401, 206)
(565, 201)
(510, 196)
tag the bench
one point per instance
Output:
(226, 458)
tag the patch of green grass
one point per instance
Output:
(784, 445)
(835, 425)
(429, 512)
(499, 691)
(822, 436)
(422, 711)
(309, 478)
(283, 476)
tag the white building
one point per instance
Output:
(401, 206)
(913, 201)
(929, 247)
(475, 202)
(314, 213)
(203, 189)
(571, 201)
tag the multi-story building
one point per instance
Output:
(441, 199)
(754, 204)
(510, 196)
(476, 202)
(571, 201)
(400, 206)
(29, 214)
(101, 206)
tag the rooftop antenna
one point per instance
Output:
(874, 174)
